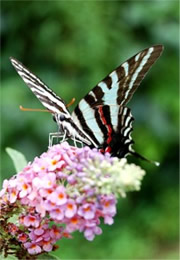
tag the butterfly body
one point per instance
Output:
(67, 126)
(101, 119)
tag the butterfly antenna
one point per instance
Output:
(71, 102)
(143, 158)
(34, 109)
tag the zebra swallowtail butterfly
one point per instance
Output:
(101, 119)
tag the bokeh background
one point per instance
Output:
(72, 45)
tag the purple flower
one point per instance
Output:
(70, 208)
(109, 205)
(91, 232)
(56, 232)
(87, 211)
(58, 196)
(47, 245)
(32, 248)
(31, 220)
(13, 195)
(57, 213)
(25, 189)
(22, 237)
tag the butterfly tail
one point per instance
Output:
(143, 158)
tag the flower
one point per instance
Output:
(59, 196)
(87, 210)
(31, 220)
(71, 208)
(32, 248)
(73, 187)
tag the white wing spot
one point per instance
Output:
(114, 115)
(143, 62)
(103, 85)
(137, 57)
(126, 131)
(114, 77)
(127, 120)
(126, 68)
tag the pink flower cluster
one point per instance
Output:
(56, 187)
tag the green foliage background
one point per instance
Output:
(72, 45)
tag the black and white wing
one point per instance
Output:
(102, 112)
(46, 96)
(119, 86)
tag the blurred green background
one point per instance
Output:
(71, 45)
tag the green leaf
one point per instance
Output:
(18, 159)
(48, 257)
(14, 218)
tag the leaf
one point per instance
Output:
(18, 159)
(48, 257)
(14, 218)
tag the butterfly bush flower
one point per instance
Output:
(75, 188)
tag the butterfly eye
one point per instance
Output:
(62, 117)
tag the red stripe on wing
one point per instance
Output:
(108, 126)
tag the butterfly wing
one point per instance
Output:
(104, 108)
(119, 86)
(109, 129)
(53, 103)
(46, 96)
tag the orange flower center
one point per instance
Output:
(56, 231)
(49, 191)
(58, 211)
(53, 162)
(33, 246)
(61, 196)
(74, 220)
(107, 204)
(46, 242)
(22, 237)
(87, 209)
(32, 219)
(70, 206)
(13, 193)
(25, 186)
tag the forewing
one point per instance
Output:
(46, 96)
(119, 86)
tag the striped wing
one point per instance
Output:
(116, 129)
(102, 112)
(46, 96)
(110, 132)
(119, 86)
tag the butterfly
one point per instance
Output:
(101, 119)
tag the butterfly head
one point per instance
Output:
(61, 117)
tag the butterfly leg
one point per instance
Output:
(64, 136)
(56, 135)
(76, 142)
(51, 137)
